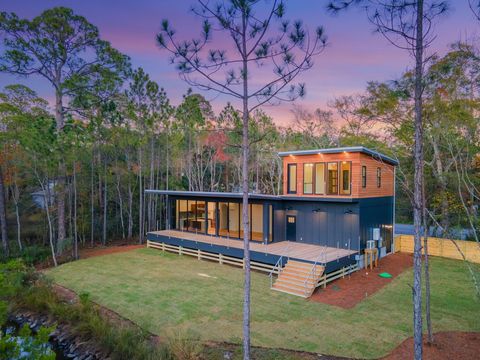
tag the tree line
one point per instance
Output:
(118, 133)
(73, 172)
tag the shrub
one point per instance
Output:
(184, 346)
(32, 255)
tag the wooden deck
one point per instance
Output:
(306, 252)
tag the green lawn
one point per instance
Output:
(164, 293)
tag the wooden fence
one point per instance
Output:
(442, 247)
(205, 255)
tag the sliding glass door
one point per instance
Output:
(221, 219)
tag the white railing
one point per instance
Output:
(313, 272)
(277, 268)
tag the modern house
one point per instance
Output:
(333, 202)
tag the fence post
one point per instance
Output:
(180, 250)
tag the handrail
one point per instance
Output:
(278, 265)
(314, 269)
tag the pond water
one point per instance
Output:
(12, 328)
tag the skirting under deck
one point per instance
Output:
(267, 253)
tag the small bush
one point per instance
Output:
(34, 254)
(184, 346)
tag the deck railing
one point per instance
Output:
(212, 256)
(277, 269)
(313, 272)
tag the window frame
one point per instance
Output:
(315, 178)
(379, 177)
(328, 179)
(340, 178)
(289, 178)
(364, 176)
(312, 179)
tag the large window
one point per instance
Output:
(379, 177)
(190, 215)
(292, 178)
(319, 178)
(308, 178)
(332, 178)
(212, 218)
(364, 176)
(234, 220)
(182, 215)
(345, 177)
(223, 219)
(256, 222)
(270, 223)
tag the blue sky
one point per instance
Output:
(354, 56)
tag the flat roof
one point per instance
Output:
(254, 196)
(230, 195)
(362, 149)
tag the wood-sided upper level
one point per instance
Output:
(353, 172)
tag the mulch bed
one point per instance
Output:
(351, 290)
(100, 251)
(449, 345)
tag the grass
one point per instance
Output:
(166, 293)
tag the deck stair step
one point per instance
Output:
(299, 278)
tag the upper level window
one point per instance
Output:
(320, 178)
(308, 178)
(379, 177)
(345, 177)
(364, 176)
(292, 178)
(332, 178)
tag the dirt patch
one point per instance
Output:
(454, 345)
(100, 251)
(351, 290)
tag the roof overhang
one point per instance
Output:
(212, 194)
(375, 154)
(253, 196)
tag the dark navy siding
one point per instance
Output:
(376, 213)
(320, 223)
(346, 225)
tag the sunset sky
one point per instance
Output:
(354, 56)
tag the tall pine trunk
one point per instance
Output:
(140, 198)
(16, 198)
(3, 217)
(130, 199)
(92, 201)
(418, 184)
(60, 188)
(104, 237)
(246, 233)
(75, 232)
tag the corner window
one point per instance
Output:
(345, 177)
(292, 178)
(364, 176)
(308, 178)
(319, 178)
(332, 180)
(379, 177)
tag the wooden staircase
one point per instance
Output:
(298, 278)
